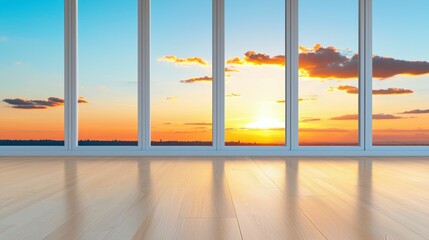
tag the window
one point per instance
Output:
(162, 75)
(31, 73)
(181, 73)
(255, 73)
(328, 73)
(400, 73)
(107, 74)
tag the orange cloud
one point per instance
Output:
(346, 117)
(384, 67)
(348, 89)
(416, 111)
(389, 91)
(176, 60)
(321, 62)
(82, 100)
(254, 58)
(392, 91)
(227, 69)
(198, 79)
(299, 99)
(309, 119)
(328, 62)
(380, 116)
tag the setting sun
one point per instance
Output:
(266, 123)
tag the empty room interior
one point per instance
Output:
(214, 119)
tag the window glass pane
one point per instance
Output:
(107, 74)
(400, 73)
(31, 72)
(328, 72)
(255, 73)
(181, 73)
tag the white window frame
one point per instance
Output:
(144, 148)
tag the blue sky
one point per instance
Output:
(332, 22)
(29, 30)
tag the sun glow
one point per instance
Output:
(265, 123)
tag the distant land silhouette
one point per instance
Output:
(321, 144)
(48, 142)
(44, 142)
(181, 143)
(239, 143)
(107, 143)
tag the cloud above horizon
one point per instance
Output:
(416, 111)
(191, 60)
(386, 67)
(330, 62)
(197, 79)
(299, 100)
(327, 62)
(229, 69)
(379, 116)
(254, 58)
(389, 91)
(309, 119)
(82, 100)
(20, 103)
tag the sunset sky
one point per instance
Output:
(325, 40)
(181, 70)
(402, 33)
(255, 32)
(32, 65)
(107, 70)
(31, 68)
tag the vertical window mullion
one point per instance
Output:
(144, 73)
(362, 76)
(218, 73)
(367, 108)
(288, 85)
(293, 63)
(70, 54)
(66, 75)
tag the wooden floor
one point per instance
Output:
(214, 198)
